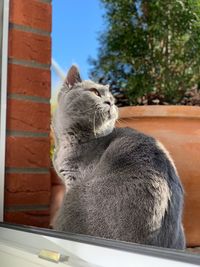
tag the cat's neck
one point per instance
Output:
(73, 139)
(77, 134)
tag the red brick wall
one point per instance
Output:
(28, 183)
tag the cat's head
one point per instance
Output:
(84, 107)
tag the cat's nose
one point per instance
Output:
(108, 103)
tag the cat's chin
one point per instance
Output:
(106, 128)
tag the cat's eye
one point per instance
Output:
(95, 91)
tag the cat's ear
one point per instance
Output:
(73, 76)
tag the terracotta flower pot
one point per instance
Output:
(57, 194)
(178, 128)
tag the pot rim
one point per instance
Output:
(160, 111)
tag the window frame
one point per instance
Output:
(4, 25)
(92, 250)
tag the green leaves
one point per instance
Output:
(149, 46)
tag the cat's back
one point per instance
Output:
(122, 148)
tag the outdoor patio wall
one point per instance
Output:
(27, 185)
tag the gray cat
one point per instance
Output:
(121, 184)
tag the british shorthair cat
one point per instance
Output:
(121, 184)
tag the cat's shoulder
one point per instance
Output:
(132, 139)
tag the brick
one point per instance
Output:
(29, 46)
(27, 182)
(27, 219)
(39, 212)
(29, 81)
(24, 115)
(27, 152)
(31, 13)
(27, 198)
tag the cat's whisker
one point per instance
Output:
(121, 121)
(118, 121)
(94, 127)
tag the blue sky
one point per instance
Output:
(76, 24)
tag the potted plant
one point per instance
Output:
(178, 128)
